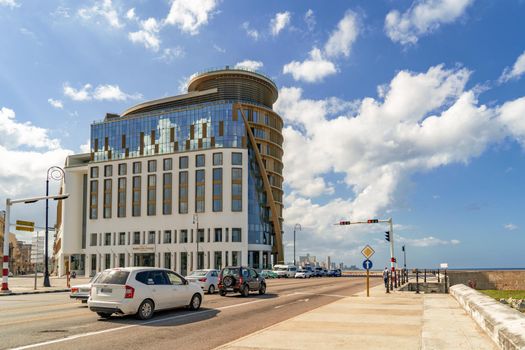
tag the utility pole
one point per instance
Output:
(300, 229)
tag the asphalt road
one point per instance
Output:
(54, 321)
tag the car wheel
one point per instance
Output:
(245, 291)
(104, 315)
(262, 290)
(222, 293)
(211, 289)
(195, 302)
(228, 281)
(146, 310)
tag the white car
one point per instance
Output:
(285, 270)
(141, 291)
(303, 274)
(208, 279)
(81, 291)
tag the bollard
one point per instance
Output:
(391, 281)
(438, 276)
(387, 283)
(425, 275)
(446, 282)
(417, 281)
(395, 278)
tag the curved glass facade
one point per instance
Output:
(201, 127)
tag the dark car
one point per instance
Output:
(240, 279)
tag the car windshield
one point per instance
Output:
(113, 277)
(94, 278)
(230, 272)
(198, 273)
(281, 269)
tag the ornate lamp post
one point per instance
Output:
(54, 173)
(294, 228)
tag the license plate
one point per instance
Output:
(106, 290)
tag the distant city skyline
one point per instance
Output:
(409, 109)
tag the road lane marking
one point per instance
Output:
(83, 335)
(291, 303)
(323, 295)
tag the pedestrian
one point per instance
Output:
(385, 277)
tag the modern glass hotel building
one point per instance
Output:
(184, 182)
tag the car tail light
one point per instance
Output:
(130, 292)
(74, 290)
(202, 279)
(240, 280)
(220, 278)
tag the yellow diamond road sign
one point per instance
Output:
(367, 251)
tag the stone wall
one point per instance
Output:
(490, 279)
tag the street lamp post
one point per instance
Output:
(55, 173)
(296, 225)
(8, 203)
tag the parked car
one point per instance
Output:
(81, 291)
(142, 291)
(319, 272)
(303, 273)
(338, 273)
(208, 279)
(240, 279)
(268, 274)
(285, 270)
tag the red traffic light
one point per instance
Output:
(373, 221)
(344, 222)
(393, 260)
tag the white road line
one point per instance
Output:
(83, 335)
(323, 295)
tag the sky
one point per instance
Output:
(413, 110)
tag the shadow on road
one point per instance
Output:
(165, 318)
(252, 296)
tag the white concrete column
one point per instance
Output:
(260, 259)
(87, 265)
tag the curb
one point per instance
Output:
(36, 292)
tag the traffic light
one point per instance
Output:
(387, 235)
(344, 222)
(373, 221)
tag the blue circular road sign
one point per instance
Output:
(367, 264)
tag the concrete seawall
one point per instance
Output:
(503, 324)
(489, 279)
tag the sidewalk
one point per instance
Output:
(26, 284)
(399, 320)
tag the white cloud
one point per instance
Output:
(218, 48)
(510, 227)
(423, 121)
(429, 241)
(421, 18)
(61, 11)
(311, 70)
(102, 92)
(171, 53)
(104, 9)
(516, 71)
(309, 18)
(81, 94)
(9, 3)
(86, 147)
(130, 14)
(279, 22)
(252, 33)
(183, 84)
(343, 36)
(189, 16)
(249, 64)
(55, 103)
(148, 35)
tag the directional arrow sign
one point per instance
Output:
(367, 251)
(367, 264)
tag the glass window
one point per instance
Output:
(94, 172)
(122, 238)
(217, 158)
(121, 212)
(218, 235)
(236, 189)
(122, 169)
(236, 158)
(152, 194)
(108, 170)
(183, 236)
(174, 278)
(136, 237)
(152, 166)
(199, 191)
(113, 277)
(167, 164)
(199, 160)
(107, 238)
(217, 189)
(236, 235)
(107, 198)
(167, 260)
(183, 192)
(93, 240)
(200, 235)
(136, 196)
(151, 237)
(167, 236)
(183, 162)
(137, 167)
(166, 193)
(93, 201)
